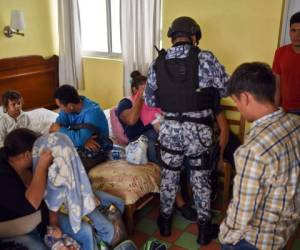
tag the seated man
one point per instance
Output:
(265, 210)
(83, 121)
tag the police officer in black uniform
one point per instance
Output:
(186, 83)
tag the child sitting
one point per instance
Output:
(13, 116)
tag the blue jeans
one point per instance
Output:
(241, 245)
(31, 240)
(152, 136)
(104, 228)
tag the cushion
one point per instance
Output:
(117, 128)
(127, 181)
(41, 119)
(107, 115)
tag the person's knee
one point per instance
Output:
(107, 199)
(108, 232)
(86, 231)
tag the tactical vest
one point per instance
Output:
(178, 84)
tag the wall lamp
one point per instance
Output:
(16, 24)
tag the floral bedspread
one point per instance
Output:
(127, 181)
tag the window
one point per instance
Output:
(100, 27)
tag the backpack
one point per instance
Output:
(154, 244)
(126, 245)
(90, 159)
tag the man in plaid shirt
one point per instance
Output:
(265, 208)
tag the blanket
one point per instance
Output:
(68, 182)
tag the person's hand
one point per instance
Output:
(156, 126)
(140, 92)
(54, 231)
(92, 145)
(97, 201)
(45, 159)
(54, 127)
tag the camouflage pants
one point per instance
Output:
(189, 140)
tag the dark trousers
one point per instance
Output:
(241, 245)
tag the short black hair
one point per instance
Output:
(67, 94)
(19, 141)
(10, 95)
(295, 18)
(256, 78)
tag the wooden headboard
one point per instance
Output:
(34, 77)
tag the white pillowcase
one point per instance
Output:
(41, 119)
(107, 115)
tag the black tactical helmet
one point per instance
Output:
(184, 26)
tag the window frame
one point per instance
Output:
(110, 54)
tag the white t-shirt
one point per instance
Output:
(7, 124)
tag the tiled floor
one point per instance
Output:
(184, 233)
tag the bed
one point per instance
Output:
(36, 79)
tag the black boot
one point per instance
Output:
(164, 223)
(207, 232)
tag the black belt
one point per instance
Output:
(204, 157)
(183, 118)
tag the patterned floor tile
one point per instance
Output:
(184, 233)
(146, 226)
(180, 223)
(192, 228)
(177, 248)
(211, 246)
(172, 238)
(139, 238)
(188, 241)
(296, 245)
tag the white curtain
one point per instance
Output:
(290, 8)
(140, 31)
(70, 59)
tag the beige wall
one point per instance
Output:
(38, 39)
(103, 78)
(235, 31)
(103, 81)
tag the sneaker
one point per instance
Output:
(188, 213)
(154, 244)
(126, 245)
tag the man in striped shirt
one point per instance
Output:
(265, 208)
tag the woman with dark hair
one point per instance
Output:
(21, 191)
(33, 168)
(132, 113)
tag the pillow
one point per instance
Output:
(107, 115)
(117, 128)
(41, 119)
